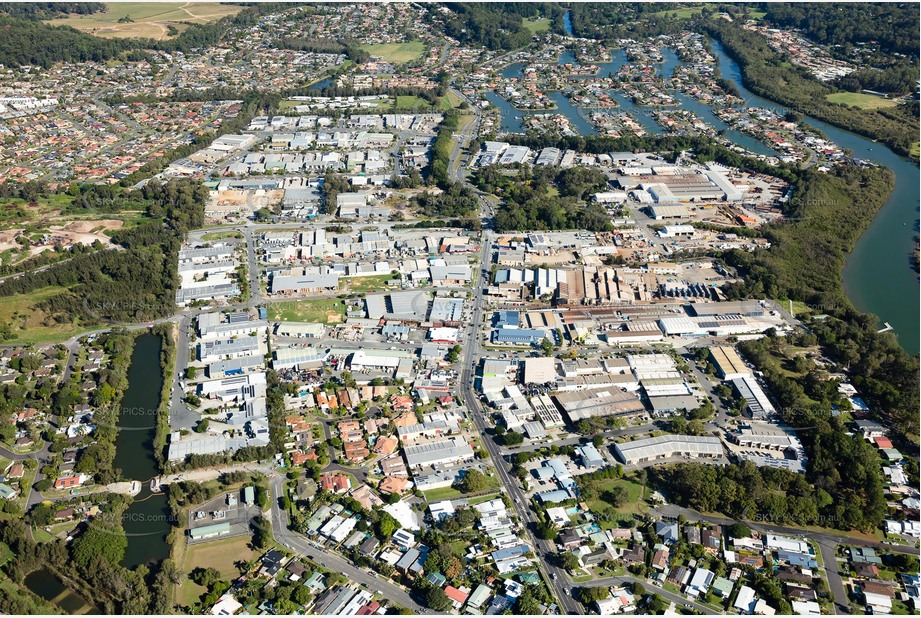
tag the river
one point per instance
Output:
(878, 277)
(147, 520)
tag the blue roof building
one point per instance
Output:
(510, 552)
(518, 336)
(508, 319)
(553, 496)
(591, 458)
(797, 559)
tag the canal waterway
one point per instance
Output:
(46, 584)
(878, 277)
(147, 520)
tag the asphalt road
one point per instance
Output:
(319, 555)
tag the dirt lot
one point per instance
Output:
(234, 205)
(66, 235)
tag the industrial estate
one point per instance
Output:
(377, 308)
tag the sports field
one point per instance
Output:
(397, 53)
(536, 25)
(148, 19)
(861, 100)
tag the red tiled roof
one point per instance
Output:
(455, 595)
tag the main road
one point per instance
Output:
(554, 576)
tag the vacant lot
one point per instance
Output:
(371, 283)
(686, 12)
(148, 19)
(221, 555)
(634, 502)
(29, 324)
(221, 235)
(324, 311)
(861, 100)
(397, 53)
(449, 101)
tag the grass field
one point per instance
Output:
(27, 321)
(397, 53)
(220, 555)
(799, 307)
(449, 493)
(536, 25)
(150, 19)
(324, 311)
(686, 12)
(370, 283)
(915, 150)
(221, 235)
(634, 504)
(861, 100)
(448, 101)
(411, 102)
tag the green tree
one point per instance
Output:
(472, 481)
(385, 525)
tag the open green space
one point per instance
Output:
(147, 19)
(685, 12)
(397, 53)
(450, 101)
(535, 26)
(915, 150)
(861, 100)
(449, 493)
(322, 310)
(411, 102)
(799, 307)
(30, 324)
(222, 555)
(442, 493)
(221, 235)
(633, 503)
(41, 536)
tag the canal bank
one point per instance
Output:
(877, 276)
(147, 521)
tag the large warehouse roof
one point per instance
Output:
(434, 453)
(539, 370)
(597, 402)
(662, 447)
(728, 362)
